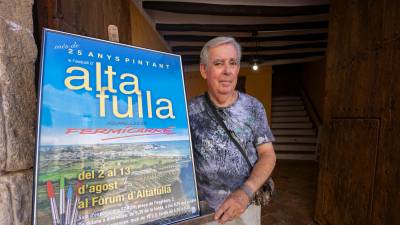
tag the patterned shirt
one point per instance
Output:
(220, 167)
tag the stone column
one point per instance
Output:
(18, 53)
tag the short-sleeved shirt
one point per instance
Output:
(220, 167)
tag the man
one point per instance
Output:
(223, 175)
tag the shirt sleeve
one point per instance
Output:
(263, 133)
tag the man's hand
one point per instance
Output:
(233, 206)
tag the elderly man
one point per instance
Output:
(224, 178)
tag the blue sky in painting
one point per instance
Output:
(62, 108)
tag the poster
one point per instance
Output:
(113, 140)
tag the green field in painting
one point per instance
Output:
(132, 166)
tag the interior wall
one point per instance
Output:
(194, 84)
(143, 34)
(313, 80)
(258, 84)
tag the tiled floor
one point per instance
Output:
(295, 197)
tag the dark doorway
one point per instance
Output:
(241, 84)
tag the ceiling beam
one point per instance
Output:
(254, 2)
(246, 44)
(178, 18)
(235, 10)
(269, 52)
(241, 28)
(195, 67)
(195, 59)
(260, 48)
(304, 37)
(246, 34)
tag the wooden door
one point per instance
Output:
(359, 178)
(86, 17)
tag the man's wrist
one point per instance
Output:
(246, 189)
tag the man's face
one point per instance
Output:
(222, 69)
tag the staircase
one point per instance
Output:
(295, 136)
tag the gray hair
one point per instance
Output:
(216, 42)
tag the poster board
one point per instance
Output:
(113, 140)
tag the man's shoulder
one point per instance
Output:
(250, 100)
(196, 104)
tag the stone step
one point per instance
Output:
(299, 139)
(290, 113)
(295, 139)
(290, 119)
(287, 108)
(288, 132)
(291, 125)
(287, 103)
(294, 147)
(310, 157)
(286, 98)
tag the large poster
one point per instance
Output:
(113, 140)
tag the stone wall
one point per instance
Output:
(18, 53)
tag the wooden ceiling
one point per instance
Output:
(271, 31)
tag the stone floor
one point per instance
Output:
(295, 197)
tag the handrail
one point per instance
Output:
(314, 118)
(310, 108)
